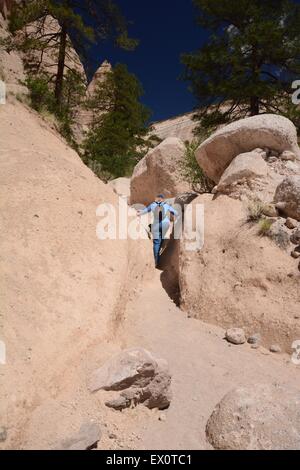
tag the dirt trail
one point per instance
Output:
(203, 364)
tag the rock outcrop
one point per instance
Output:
(99, 77)
(260, 417)
(240, 278)
(159, 172)
(271, 131)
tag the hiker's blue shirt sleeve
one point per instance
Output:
(148, 209)
(171, 210)
(167, 208)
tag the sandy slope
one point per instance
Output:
(62, 289)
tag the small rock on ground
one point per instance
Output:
(295, 238)
(275, 348)
(291, 223)
(236, 336)
(3, 434)
(295, 254)
(254, 339)
(87, 438)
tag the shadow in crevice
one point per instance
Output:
(169, 262)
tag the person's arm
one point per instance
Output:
(146, 210)
(172, 210)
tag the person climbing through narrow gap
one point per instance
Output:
(161, 223)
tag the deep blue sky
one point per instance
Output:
(166, 29)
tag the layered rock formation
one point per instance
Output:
(99, 77)
(181, 127)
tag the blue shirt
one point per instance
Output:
(160, 211)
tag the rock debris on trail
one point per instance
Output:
(141, 377)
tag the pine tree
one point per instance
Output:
(118, 137)
(250, 60)
(84, 22)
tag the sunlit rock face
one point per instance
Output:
(181, 127)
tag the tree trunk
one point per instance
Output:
(61, 65)
(254, 106)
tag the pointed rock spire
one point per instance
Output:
(99, 76)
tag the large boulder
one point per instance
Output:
(268, 130)
(288, 196)
(244, 169)
(258, 417)
(159, 172)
